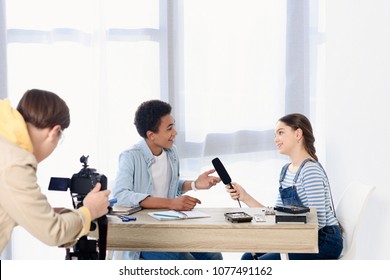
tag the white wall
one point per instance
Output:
(357, 111)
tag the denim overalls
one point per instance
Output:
(289, 196)
(330, 242)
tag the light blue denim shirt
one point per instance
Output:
(134, 182)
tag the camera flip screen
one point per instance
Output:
(59, 184)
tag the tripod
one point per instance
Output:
(91, 249)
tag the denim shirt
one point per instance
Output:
(134, 181)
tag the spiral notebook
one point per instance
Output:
(178, 215)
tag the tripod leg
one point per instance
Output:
(67, 255)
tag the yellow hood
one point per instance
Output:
(13, 127)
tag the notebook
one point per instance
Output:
(122, 210)
(178, 215)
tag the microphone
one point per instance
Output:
(222, 173)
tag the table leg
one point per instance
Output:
(284, 256)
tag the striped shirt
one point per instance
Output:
(313, 190)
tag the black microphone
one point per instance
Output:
(222, 173)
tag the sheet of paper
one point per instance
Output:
(177, 215)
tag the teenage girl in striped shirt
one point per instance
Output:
(303, 182)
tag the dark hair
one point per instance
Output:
(44, 109)
(148, 116)
(296, 121)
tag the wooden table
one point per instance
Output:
(213, 234)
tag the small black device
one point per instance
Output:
(292, 209)
(291, 214)
(79, 186)
(222, 173)
(290, 218)
(238, 217)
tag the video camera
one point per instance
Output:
(79, 186)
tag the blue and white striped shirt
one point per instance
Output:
(314, 191)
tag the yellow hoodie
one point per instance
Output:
(13, 127)
(21, 200)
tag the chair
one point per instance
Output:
(350, 210)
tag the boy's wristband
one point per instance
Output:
(193, 187)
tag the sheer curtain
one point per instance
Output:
(230, 69)
(7, 252)
(3, 52)
(238, 66)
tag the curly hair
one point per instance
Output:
(148, 116)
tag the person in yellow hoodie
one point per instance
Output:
(27, 136)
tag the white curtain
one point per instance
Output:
(7, 252)
(230, 69)
(3, 53)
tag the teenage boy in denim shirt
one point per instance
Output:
(148, 174)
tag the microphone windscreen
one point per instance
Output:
(222, 173)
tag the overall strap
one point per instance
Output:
(330, 190)
(300, 168)
(284, 171)
(285, 167)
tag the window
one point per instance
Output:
(230, 68)
(233, 66)
(103, 57)
(238, 66)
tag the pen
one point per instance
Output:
(165, 215)
(127, 219)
